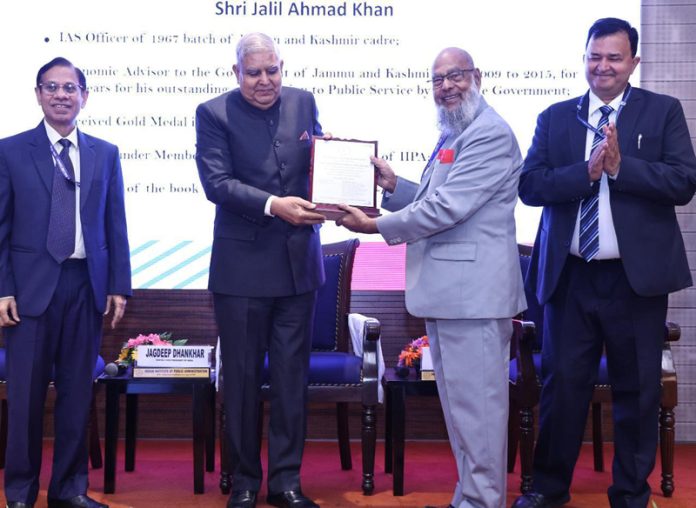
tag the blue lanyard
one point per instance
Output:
(61, 165)
(624, 100)
(440, 142)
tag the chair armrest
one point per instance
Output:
(370, 370)
(668, 378)
(669, 373)
(668, 362)
(672, 332)
(522, 343)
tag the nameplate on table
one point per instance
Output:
(171, 372)
(174, 356)
(426, 373)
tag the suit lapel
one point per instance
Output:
(425, 180)
(577, 131)
(628, 120)
(87, 162)
(41, 155)
(445, 143)
(429, 167)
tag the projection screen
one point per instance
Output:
(149, 63)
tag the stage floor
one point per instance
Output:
(163, 478)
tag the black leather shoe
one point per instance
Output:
(536, 500)
(242, 499)
(81, 501)
(17, 504)
(291, 499)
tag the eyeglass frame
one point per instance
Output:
(58, 86)
(453, 76)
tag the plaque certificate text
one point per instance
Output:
(343, 173)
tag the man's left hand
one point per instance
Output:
(119, 304)
(612, 155)
(296, 211)
(8, 312)
(355, 220)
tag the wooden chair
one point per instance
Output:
(668, 401)
(524, 397)
(94, 445)
(525, 389)
(336, 374)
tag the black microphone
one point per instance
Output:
(114, 369)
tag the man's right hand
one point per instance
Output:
(386, 178)
(296, 211)
(8, 312)
(595, 166)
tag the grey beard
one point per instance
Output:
(455, 121)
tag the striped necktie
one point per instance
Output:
(589, 209)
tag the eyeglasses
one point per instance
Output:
(51, 88)
(456, 76)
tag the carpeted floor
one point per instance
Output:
(163, 479)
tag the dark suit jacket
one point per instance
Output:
(244, 155)
(655, 175)
(27, 270)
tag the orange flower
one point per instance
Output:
(411, 354)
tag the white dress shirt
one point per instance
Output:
(608, 245)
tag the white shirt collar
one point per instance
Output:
(54, 136)
(594, 103)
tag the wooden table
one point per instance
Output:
(396, 390)
(202, 391)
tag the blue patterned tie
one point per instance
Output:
(589, 209)
(60, 241)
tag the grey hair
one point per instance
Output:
(255, 42)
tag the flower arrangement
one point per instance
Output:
(410, 356)
(129, 354)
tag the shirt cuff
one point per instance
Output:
(267, 208)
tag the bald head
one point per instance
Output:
(458, 55)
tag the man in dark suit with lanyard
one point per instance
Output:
(609, 169)
(253, 156)
(64, 261)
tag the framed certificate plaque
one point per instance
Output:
(341, 172)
